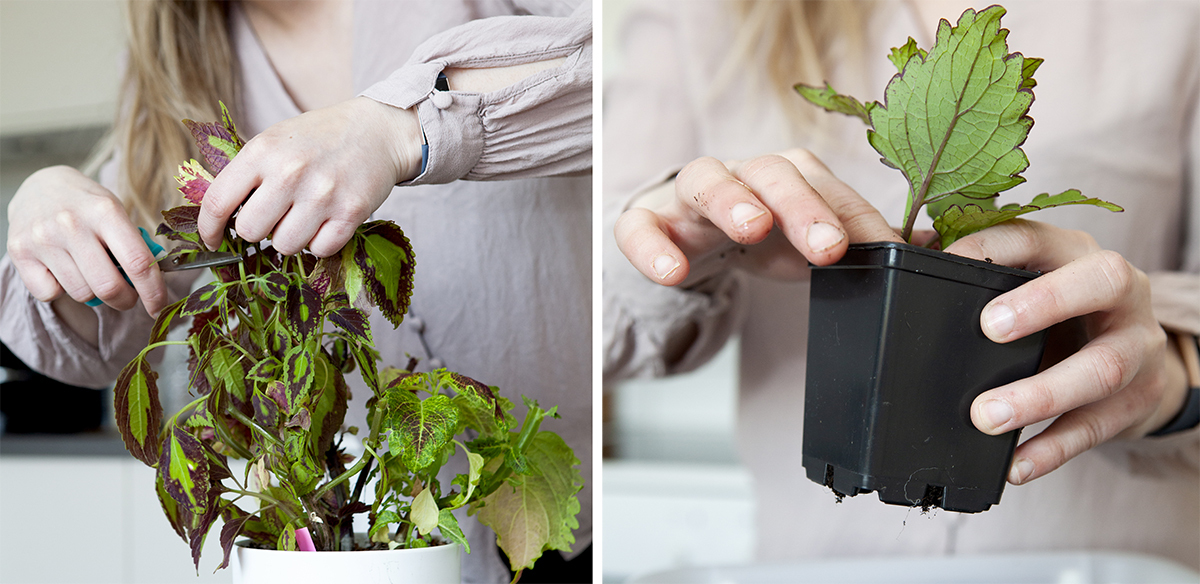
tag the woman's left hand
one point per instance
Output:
(310, 181)
(1118, 384)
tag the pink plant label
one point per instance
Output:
(304, 541)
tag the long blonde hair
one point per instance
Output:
(180, 63)
(796, 41)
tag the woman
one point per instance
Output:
(722, 248)
(340, 96)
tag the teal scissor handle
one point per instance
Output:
(155, 249)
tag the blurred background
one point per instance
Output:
(670, 463)
(66, 481)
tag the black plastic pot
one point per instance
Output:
(895, 358)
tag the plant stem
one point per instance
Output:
(254, 425)
(287, 509)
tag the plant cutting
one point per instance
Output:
(270, 343)
(895, 351)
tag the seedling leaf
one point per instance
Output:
(958, 222)
(833, 101)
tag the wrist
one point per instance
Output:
(403, 135)
(1180, 409)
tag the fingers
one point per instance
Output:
(130, 251)
(799, 210)
(1024, 244)
(642, 237)
(861, 221)
(1097, 282)
(228, 190)
(1072, 434)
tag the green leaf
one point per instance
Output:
(835, 102)
(274, 286)
(354, 322)
(303, 310)
(448, 526)
(298, 376)
(420, 428)
(287, 539)
(954, 121)
(225, 370)
(958, 222)
(138, 410)
(162, 324)
(900, 56)
(183, 469)
(1027, 71)
(204, 299)
(534, 513)
(385, 257)
(379, 530)
(193, 181)
(266, 370)
(424, 512)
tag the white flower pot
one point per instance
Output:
(432, 565)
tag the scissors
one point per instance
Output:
(175, 262)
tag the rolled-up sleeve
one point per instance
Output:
(539, 126)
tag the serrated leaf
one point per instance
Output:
(265, 370)
(287, 539)
(171, 508)
(204, 298)
(235, 519)
(329, 406)
(277, 391)
(958, 222)
(833, 101)
(448, 526)
(354, 322)
(193, 181)
(385, 258)
(379, 530)
(162, 324)
(537, 512)
(954, 121)
(274, 286)
(420, 428)
(266, 411)
(424, 513)
(138, 410)
(1030, 67)
(183, 219)
(218, 141)
(184, 471)
(303, 310)
(298, 375)
(900, 55)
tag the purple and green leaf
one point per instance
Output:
(138, 410)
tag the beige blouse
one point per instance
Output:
(503, 280)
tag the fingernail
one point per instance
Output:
(998, 321)
(665, 265)
(996, 413)
(822, 236)
(1021, 470)
(743, 213)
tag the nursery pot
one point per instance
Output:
(431, 565)
(896, 355)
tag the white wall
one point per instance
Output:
(59, 63)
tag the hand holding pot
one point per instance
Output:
(63, 227)
(313, 179)
(770, 215)
(1121, 381)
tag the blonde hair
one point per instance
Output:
(796, 41)
(180, 64)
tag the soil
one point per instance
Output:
(829, 483)
(932, 498)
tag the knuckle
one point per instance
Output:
(138, 267)
(1041, 403)
(66, 221)
(1110, 368)
(1118, 274)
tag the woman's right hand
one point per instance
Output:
(716, 216)
(62, 226)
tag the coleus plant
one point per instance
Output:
(953, 121)
(270, 342)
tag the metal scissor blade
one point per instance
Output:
(197, 260)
